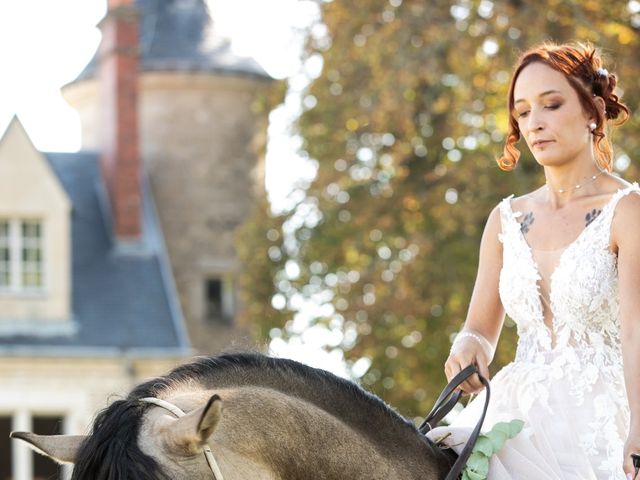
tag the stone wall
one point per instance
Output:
(198, 137)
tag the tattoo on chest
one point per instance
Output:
(528, 219)
(526, 222)
(591, 216)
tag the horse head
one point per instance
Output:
(181, 438)
(281, 420)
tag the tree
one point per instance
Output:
(408, 117)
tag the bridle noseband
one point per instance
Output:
(211, 461)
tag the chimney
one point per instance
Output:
(118, 78)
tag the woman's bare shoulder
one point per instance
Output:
(628, 206)
(626, 219)
(523, 202)
(614, 183)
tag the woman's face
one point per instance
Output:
(550, 116)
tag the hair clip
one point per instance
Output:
(602, 72)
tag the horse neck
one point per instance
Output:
(276, 430)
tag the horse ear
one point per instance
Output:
(190, 432)
(60, 448)
(209, 418)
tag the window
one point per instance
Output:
(214, 298)
(31, 254)
(21, 255)
(44, 468)
(219, 300)
(5, 448)
(5, 256)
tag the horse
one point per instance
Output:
(256, 418)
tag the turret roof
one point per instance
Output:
(179, 35)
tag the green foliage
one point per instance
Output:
(409, 115)
(477, 467)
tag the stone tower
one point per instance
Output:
(197, 136)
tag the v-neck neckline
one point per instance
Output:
(575, 240)
(551, 330)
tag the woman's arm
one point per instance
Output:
(485, 315)
(625, 233)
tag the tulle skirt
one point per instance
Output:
(564, 437)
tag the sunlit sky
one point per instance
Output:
(45, 44)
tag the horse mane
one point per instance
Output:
(338, 396)
(111, 452)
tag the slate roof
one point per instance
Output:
(123, 300)
(179, 35)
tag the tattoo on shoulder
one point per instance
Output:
(526, 222)
(592, 215)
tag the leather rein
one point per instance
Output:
(208, 454)
(443, 406)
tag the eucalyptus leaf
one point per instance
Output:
(477, 467)
(478, 463)
(516, 427)
(497, 439)
(484, 445)
(471, 475)
(502, 427)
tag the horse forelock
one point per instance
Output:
(111, 452)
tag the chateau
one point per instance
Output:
(118, 262)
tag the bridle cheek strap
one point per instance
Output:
(208, 454)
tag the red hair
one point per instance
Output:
(582, 66)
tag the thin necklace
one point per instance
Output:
(579, 185)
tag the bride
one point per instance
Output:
(563, 261)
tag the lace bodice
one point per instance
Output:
(583, 288)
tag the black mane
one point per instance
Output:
(111, 451)
(342, 398)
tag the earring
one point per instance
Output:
(592, 126)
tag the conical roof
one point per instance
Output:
(179, 35)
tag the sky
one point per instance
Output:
(45, 44)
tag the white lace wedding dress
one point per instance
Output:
(566, 382)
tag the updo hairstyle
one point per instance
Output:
(583, 68)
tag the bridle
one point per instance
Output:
(211, 461)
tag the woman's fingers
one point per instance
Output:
(484, 371)
(483, 368)
(473, 384)
(452, 368)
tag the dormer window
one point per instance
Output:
(21, 255)
(219, 300)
